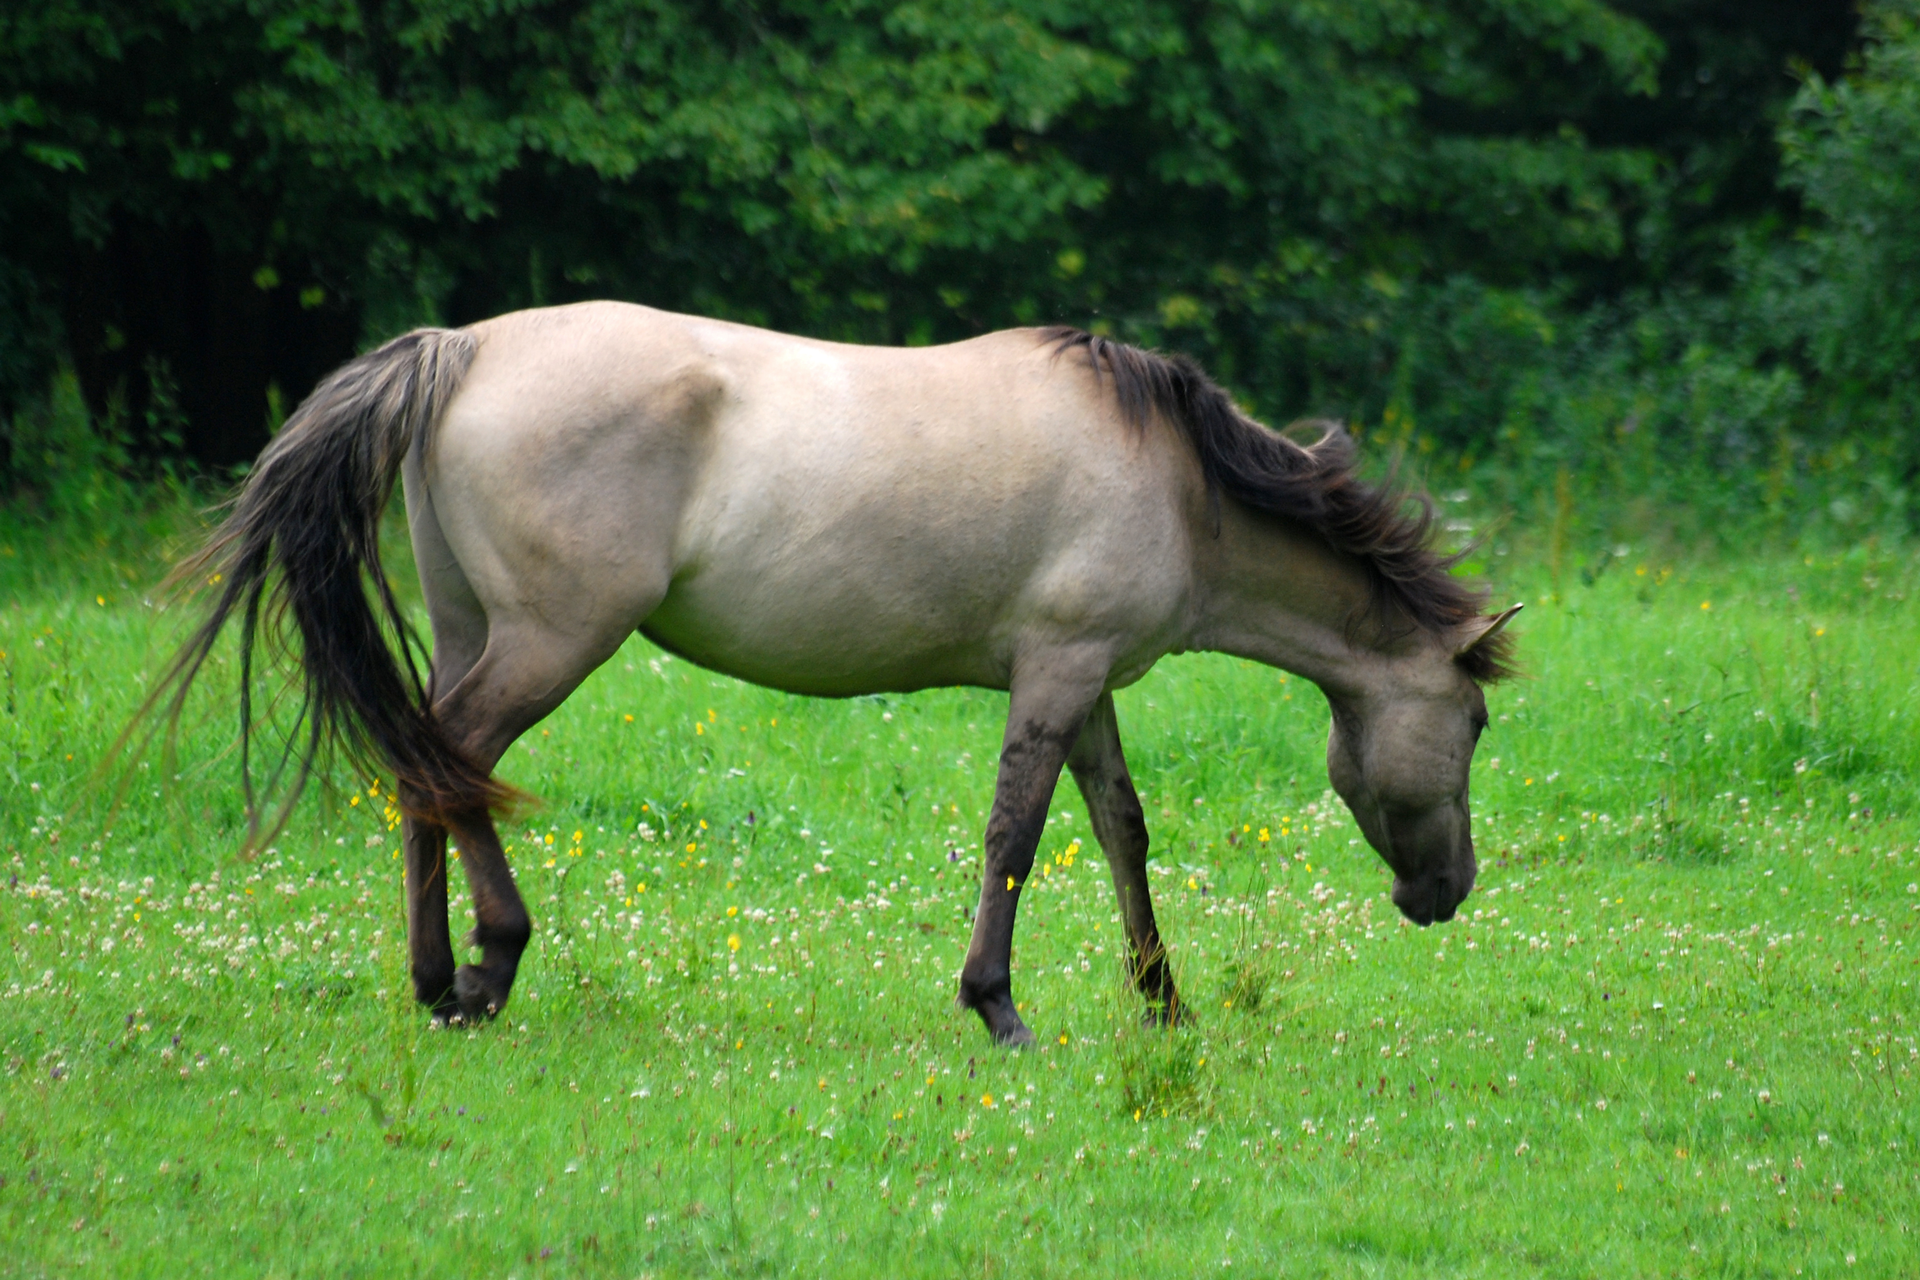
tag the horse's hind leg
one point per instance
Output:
(429, 945)
(525, 672)
(1113, 807)
(459, 638)
(424, 851)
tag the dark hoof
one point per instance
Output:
(1016, 1037)
(437, 995)
(478, 994)
(1003, 1021)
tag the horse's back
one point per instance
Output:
(817, 516)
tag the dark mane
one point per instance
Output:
(1389, 529)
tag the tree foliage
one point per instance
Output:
(206, 203)
(1853, 151)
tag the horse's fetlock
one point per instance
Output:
(511, 932)
(977, 993)
(432, 984)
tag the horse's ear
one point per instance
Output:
(1481, 630)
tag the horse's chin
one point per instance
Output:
(1432, 898)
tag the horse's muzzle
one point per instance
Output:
(1431, 898)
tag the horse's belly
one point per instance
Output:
(828, 633)
(917, 576)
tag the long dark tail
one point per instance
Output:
(294, 559)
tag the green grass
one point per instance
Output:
(1673, 1031)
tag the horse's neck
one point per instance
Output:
(1277, 594)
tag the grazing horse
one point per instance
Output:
(1043, 511)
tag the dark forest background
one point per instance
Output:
(1662, 248)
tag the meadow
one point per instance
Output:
(1673, 1031)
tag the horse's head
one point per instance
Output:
(1398, 754)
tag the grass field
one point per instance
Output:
(1673, 1032)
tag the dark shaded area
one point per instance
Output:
(173, 332)
(1731, 68)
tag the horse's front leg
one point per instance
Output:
(1113, 807)
(429, 948)
(1049, 702)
